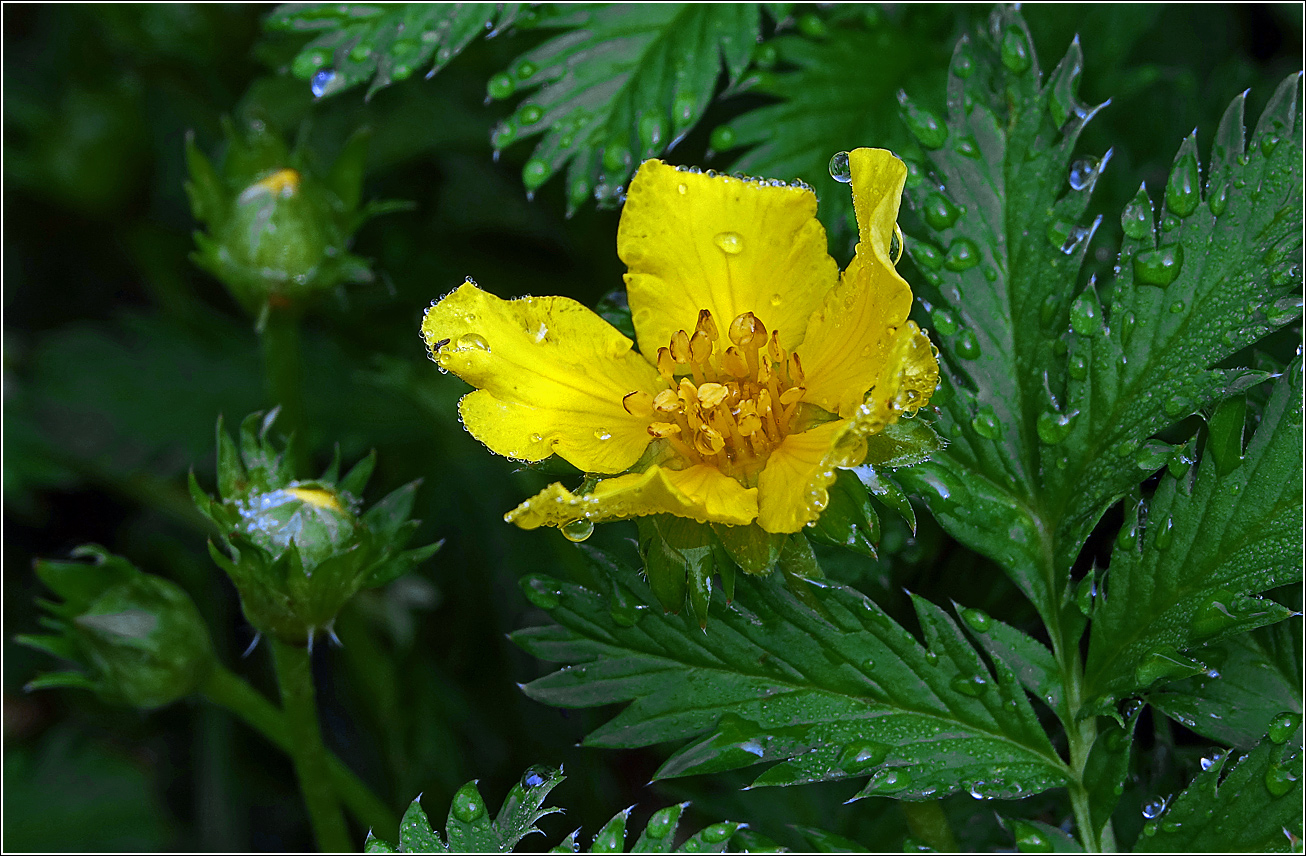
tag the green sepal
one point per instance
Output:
(751, 547)
(904, 443)
(358, 476)
(62, 680)
(679, 558)
(848, 520)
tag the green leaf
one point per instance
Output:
(849, 520)
(1034, 836)
(1049, 391)
(470, 829)
(821, 695)
(1254, 805)
(840, 92)
(1210, 542)
(361, 42)
(1257, 678)
(624, 83)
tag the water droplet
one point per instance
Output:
(888, 781)
(1083, 173)
(1169, 223)
(530, 114)
(986, 424)
(1283, 726)
(969, 685)
(1153, 456)
(923, 124)
(1127, 538)
(862, 755)
(535, 173)
(963, 64)
(962, 254)
(1209, 761)
(526, 70)
(1279, 780)
(652, 131)
(967, 147)
(1284, 310)
(1136, 220)
(467, 804)
(722, 138)
(978, 620)
(1054, 427)
(940, 213)
(360, 52)
(578, 530)
(730, 243)
(1154, 808)
(536, 776)
(1086, 314)
(895, 245)
(542, 591)
(944, 322)
(932, 658)
(321, 82)
(499, 87)
(967, 345)
(840, 170)
(1181, 193)
(616, 157)
(1015, 50)
(718, 832)
(927, 255)
(1217, 198)
(1078, 366)
(1159, 267)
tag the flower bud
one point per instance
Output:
(139, 638)
(297, 551)
(277, 232)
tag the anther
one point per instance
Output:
(666, 365)
(700, 348)
(734, 363)
(707, 326)
(711, 394)
(638, 403)
(709, 441)
(662, 430)
(666, 401)
(773, 348)
(680, 347)
(745, 329)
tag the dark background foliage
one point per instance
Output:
(119, 354)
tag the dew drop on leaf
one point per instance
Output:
(321, 82)
(1154, 808)
(940, 213)
(467, 804)
(536, 776)
(1086, 314)
(541, 591)
(1181, 193)
(977, 619)
(924, 125)
(1083, 173)
(1159, 267)
(1054, 427)
(969, 685)
(986, 423)
(962, 255)
(1136, 219)
(1015, 50)
(1279, 780)
(1283, 726)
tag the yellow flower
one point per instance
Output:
(761, 369)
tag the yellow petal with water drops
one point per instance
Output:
(850, 337)
(793, 490)
(693, 241)
(878, 177)
(551, 376)
(700, 492)
(907, 380)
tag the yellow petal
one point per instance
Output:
(551, 376)
(906, 382)
(793, 489)
(878, 177)
(849, 338)
(699, 492)
(694, 241)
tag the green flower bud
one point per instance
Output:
(138, 638)
(297, 551)
(278, 232)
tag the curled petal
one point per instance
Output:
(694, 241)
(551, 376)
(699, 492)
(793, 490)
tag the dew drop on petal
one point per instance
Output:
(730, 243)
(840, 170)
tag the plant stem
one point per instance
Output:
(283, 369)
(229, 691)
(928, 823)
(295, 675)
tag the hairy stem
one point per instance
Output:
(295, 675)
(229, 691)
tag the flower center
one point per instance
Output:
(725, 404)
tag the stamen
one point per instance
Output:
(707, 326)
(639, 404)
(666, 401)
(666, 365)
(711, 394)
(680, 347)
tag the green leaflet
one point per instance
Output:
(470, 829)
(840, 99)
(1254, 805)
(1048, 395)
(1209, 543)
(624, 83)
(840, 693)
(1255, 675)
(383, 43)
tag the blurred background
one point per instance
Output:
(120, 353)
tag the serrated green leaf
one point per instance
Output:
(470, 829)
(624, 83)
(1253, 682)
(829, 695)
(840, 92)
(382, 43)
(1030, 660)
(1255, 805)
(1205, 550)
